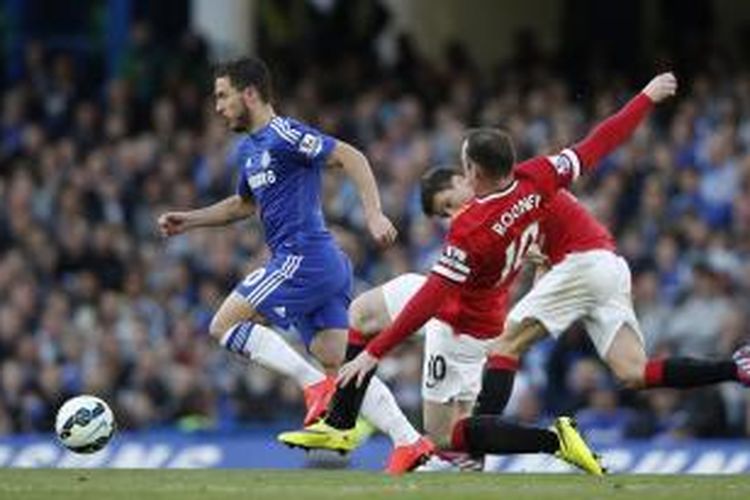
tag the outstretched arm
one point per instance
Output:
(616, 129)
(228, 210)
(358, 169)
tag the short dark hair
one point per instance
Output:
(247, 72)
(492, 150)
(432, 182)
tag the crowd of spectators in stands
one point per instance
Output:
(92, 300)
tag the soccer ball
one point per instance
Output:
(84, 424)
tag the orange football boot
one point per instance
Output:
(408, 457)
(317, 397)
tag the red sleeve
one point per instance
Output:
(422, 306)
(613, 131)
(550, 173)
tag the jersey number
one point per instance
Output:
(436, 370)
(516, 251)
(254, 277)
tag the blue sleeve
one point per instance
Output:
(238, 157)
(304, 142)
(243, 190)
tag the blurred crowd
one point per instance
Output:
(92, 300)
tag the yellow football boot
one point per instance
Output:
(321, 436)
(573, 449)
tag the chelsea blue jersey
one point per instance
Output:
(280, 169)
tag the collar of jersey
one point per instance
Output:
(259, 133)
(497, 194)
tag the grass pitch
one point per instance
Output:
(47, 484)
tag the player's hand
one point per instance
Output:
(661, 87)
(381, 229)
(172, 223)
(356, 369)
(536, 257)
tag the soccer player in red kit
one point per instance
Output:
(484, 251)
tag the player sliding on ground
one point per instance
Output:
(453, 363)
(307, 281)
(468, 286)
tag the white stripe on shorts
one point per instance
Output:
(287, 270)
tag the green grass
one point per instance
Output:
(47, 484)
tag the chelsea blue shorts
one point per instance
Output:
(308, 292)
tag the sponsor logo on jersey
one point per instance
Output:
(519, 208)
(261, 179)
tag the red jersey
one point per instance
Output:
(567, 227)
(488, 240)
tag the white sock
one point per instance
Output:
(380, 408)
(266, 347)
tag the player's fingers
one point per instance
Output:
(392, 234)
(343, 378)
(361, 378)
(384, 239)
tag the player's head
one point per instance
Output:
(241, 88)
(444, 191)
(487, 154)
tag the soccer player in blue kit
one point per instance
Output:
(307, 281)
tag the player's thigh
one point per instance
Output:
(626, 356)
(558, 299)
(369, 313)
(612, 324)
(375, 309)
(452, 365)
(398, 291)
(233, 310)
(518, 337)
(324, 331)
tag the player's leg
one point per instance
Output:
(238, 327)
(338, 430)
(490, 434)
(613, 328)
(439, 418)
(627, 359)
(451, 378)
(561, 296)
(485, 432)
(371, 310)
(503, 361)
(328, 346)
(267, 294)
(377, 404)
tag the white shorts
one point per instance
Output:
(452, 364)
(593, 286)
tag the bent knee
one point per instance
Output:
(364, 319)
(518, 338)
(217, 328)
(630, 376)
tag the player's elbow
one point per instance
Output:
(242, 208)
(349, 158)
